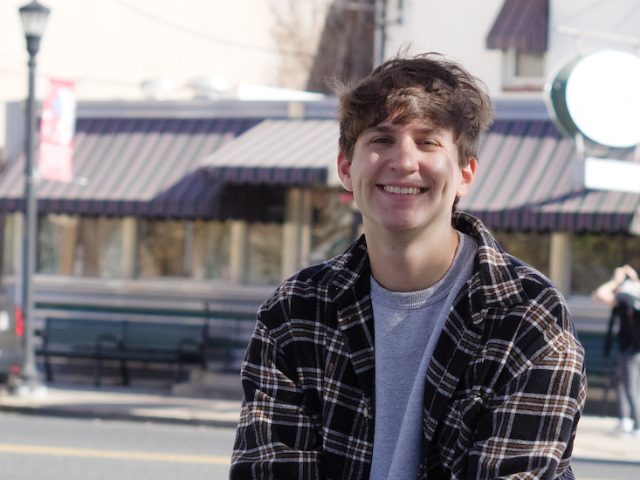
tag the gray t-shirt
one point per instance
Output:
(407, 326)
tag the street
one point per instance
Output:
(34, 447)
(605, 470)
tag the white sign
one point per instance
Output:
(610, 174)
(603, 98)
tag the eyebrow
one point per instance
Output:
(385, 128)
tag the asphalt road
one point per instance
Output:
(609, 470)
(34, 447)
(57, 448)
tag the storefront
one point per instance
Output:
(221, 201)
(147, 214)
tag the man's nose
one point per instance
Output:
(405, 156)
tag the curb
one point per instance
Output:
(605, 460)
(117, 416)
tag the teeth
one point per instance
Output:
(401, 190)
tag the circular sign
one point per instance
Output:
(598, 95)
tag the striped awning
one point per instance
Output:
(133, 166)
(521, 24)
(284, 152)
(165, 168)
(526, 180)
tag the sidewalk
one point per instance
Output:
(594, 441)
(217, 406)
(120, 404)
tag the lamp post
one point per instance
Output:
(34, 18)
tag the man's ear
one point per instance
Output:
(467, 173)
(344, 171)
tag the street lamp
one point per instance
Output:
(34, 18)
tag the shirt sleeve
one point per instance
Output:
(276, 437)
(529, 428)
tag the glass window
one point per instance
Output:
(100, 248)
(57, 244)
(264, 254)
(84, 246)
(212, 252)
(596, 256)
(334, 224)
(161, 249)
(532, 248)
(529, 64)
(9, 251)
(522, 71)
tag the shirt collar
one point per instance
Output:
(500, 284)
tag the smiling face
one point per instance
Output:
(405, 177)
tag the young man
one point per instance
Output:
(424, 351)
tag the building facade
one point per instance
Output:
(206, 204)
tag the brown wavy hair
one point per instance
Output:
(427, 87)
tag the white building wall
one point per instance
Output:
(455, 28)
(579, 28)
(458, 29)
(109, 47)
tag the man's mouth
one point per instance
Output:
(402, 190)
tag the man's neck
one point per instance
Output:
(408, 263)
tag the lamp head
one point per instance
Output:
(34, 19)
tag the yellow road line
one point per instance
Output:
(113, 454)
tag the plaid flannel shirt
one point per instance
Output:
(503, 392)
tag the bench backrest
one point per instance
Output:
(598, 364)
(140, 335)
(80, 332)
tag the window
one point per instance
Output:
(596, 256)
(85, 246)
(57, 244)
(334, 224)
(523, 70)
(529, 65)
(532, 248)
(264, 262)
(99, 251)
(161, 248)
(521, 32)
(212, 250)
(9, 250)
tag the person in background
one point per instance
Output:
(622, 294)
(425, 350)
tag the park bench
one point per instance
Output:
(160, 342)
(97, 340)
(601, 368)
(124, 342)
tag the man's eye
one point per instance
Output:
(382, 140)
(428, 141)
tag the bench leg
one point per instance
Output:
(179, 372)
(48, 370)
(124, 373)
(97, 380)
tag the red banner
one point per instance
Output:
(57, 127)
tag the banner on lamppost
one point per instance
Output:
(57, 128)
